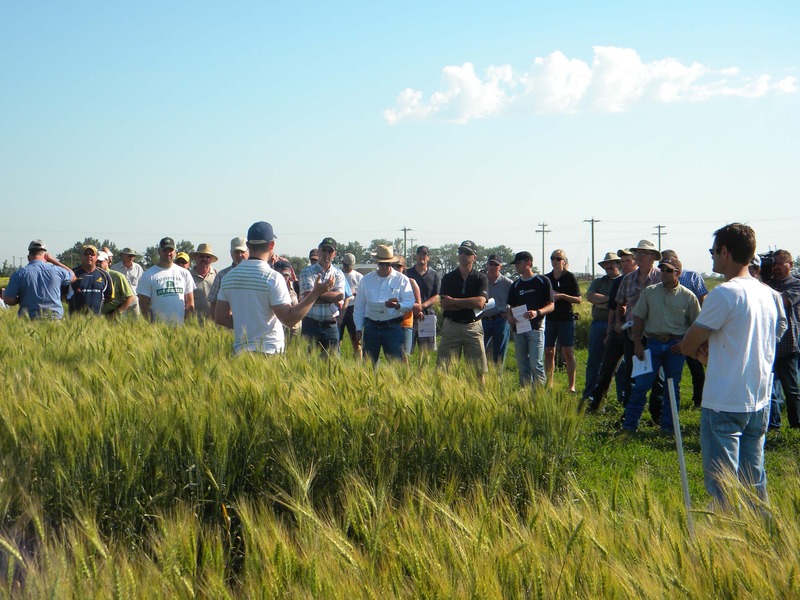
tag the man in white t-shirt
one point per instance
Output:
(735, 335)
(253, 297)
(166, 291)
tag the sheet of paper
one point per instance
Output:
(427, 327)
(377, 311)
(489, 305)
(523, 324)
(640, 367)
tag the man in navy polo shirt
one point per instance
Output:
(92, 286)
(36, 288)
(464, 290)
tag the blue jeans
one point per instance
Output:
(775, 403)
(661, 356)
(325, 334)
(496, 330)
(733, 442)
(529, 348)
(597, 335)
(388, 336)
(408, 340)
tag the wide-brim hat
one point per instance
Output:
(205, 249)
(129, 251)
(648, 246)
(238, 244)
(609, 257)
(624, 252)
(384, 254)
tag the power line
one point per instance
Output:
(659, 234)
(543, 231)
(592, 221)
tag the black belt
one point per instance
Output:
(324, 322)
(461, 322)
(493, 317)
(396, 321)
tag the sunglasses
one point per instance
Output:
(667, 270)
(559, 258)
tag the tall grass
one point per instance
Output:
(142, 461)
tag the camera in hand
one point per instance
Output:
(767, 262)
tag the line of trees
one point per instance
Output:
(443, 258)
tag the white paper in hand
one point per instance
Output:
(640, 367)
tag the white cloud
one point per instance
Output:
(616, 81)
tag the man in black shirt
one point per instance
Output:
(535, 293)
(464, 291)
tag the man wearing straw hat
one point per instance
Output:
(133, 273)
(662, 316)
(614, 346)
(204, 275)
(645, 255)
(384, 297)
(598, 296)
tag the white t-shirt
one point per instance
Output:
(166, 288)
(354, 279)
(252, 289)
(743, 317)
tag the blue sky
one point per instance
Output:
(459, 120)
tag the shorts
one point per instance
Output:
(564, 331)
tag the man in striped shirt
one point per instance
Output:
(253, 298)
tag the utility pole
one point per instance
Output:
(659, 234)
(408, 256)
(405, 231)
(592, 221)
(543, 230)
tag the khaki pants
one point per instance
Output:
(463, 336)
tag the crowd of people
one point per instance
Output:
(649, 316)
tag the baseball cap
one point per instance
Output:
(314, 253)
(36, 246)
(756, 261)
(671, 261)
(349, 259)
(282, 265)
(423, 250)
(260, 233)
(469, 247)
(328, 241)
(165, 243)
(495, 258)
(182, 256)
(89, 247)
(238, 245)
(523, 256)
(103, 256)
